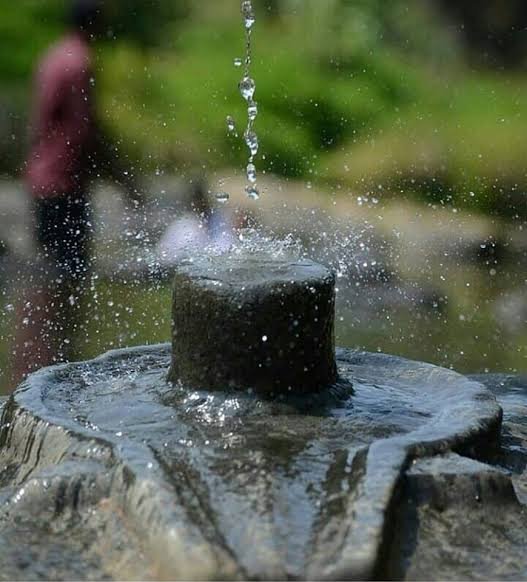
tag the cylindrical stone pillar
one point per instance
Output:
(259, 323)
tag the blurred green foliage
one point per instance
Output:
(360, 95)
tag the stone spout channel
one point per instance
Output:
(250, 448)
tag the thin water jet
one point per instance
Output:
(247, 88)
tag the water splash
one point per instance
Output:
(252, 242)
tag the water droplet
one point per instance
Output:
(251, 139)
(231, 126)
(251, 173)
(252, 110)
(238, 62)
(222, 197)
(252, 192)
(247, 88)
(248, 14)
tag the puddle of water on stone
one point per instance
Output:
(247, 454)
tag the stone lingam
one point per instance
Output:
(268, 454)
(254, 322)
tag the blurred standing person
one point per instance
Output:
(66, 152)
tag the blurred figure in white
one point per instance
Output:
(201, 227)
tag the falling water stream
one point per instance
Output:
(247, 88)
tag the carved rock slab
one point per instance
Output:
(108, 471)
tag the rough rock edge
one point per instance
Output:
(479, 419)
(38, 440)
(31, 433)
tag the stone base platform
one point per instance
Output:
(108, 471)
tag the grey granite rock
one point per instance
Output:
(110, 472)
(254, 322)
(268, 456)
(463, 519)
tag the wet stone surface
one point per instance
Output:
(468, 520)
(254, 321)
(108, 471)
(511, 393)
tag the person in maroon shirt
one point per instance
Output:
(63, 120)
(67, 151)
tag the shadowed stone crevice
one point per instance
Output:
(511, 393)
(459, 519)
